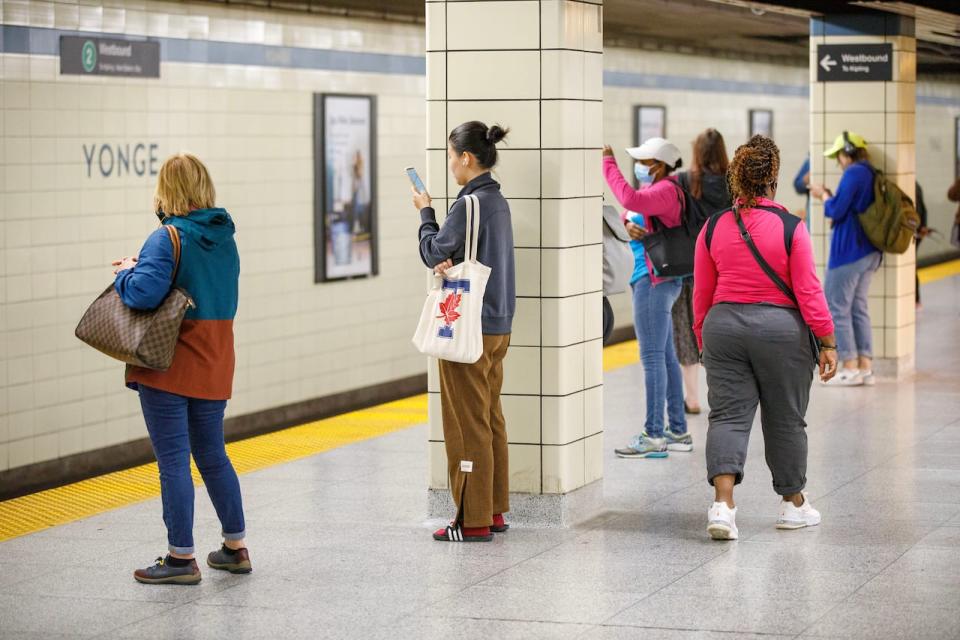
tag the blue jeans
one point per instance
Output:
(653, 324)
(177, 427)
(846, 288)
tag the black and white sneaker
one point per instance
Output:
(454, 532)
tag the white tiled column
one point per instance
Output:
(883, 113)
(537, 67)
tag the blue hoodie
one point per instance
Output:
(203, 363)
(854, 194)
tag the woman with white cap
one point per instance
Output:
(657, 198)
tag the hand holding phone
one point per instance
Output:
(635, 227)
(415, 180)
(421, 199)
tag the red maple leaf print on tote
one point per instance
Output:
(448, 308)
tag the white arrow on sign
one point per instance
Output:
(828, 63)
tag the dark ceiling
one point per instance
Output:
(733, 28)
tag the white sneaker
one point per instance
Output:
(792, 517)
(868, 379)
(722, 522)
(845, 378)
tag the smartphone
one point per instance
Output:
(415, 180)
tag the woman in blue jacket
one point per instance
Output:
(853, 259)
(183, 406)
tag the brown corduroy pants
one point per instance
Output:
(475, 434)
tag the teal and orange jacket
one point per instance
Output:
(204, 359)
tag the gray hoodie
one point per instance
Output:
(495, 248)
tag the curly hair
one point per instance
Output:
(754, 168)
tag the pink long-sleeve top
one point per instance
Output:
(660, 200)
(728, 272)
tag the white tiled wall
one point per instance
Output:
(936, 128)
(549, 170)
(253, 126)
(884, 114)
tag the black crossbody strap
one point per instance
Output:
(777, 280)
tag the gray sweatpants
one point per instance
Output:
(757, 354)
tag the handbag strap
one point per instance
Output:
(175, 241)
(777, 280)
(473, 228)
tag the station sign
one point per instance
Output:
(854, 62)
(109, 57)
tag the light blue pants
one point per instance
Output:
(661, 370)
(846, 289)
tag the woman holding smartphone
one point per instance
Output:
(474, 429)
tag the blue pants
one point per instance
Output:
(846, 288)
(177, 427)
(653, 324)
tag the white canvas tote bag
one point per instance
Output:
(450, 326)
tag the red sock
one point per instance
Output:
(476, 531)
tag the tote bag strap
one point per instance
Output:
(473, 228)
(175, 241)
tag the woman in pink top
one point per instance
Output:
(657, 199)
(755, 338)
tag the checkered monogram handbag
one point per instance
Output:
(141, 338)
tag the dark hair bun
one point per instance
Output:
(496, 133)
(477, 138)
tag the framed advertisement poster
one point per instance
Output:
(649, 122)
(345, 186)
(761, 122)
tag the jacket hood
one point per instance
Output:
(210, 227)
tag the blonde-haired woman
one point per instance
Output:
(183, 406)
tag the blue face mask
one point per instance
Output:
(642, 172)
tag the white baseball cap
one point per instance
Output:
(657, 149)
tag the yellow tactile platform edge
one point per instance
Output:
(71, 502)
(82, 499)
(938, 271)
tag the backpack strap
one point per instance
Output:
(789, 221)
(682, 198)
(712, 224)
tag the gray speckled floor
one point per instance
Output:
(341, 548)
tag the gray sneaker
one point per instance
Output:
(239, 562)
(163, 573)
(678, 441)
(643, 446)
